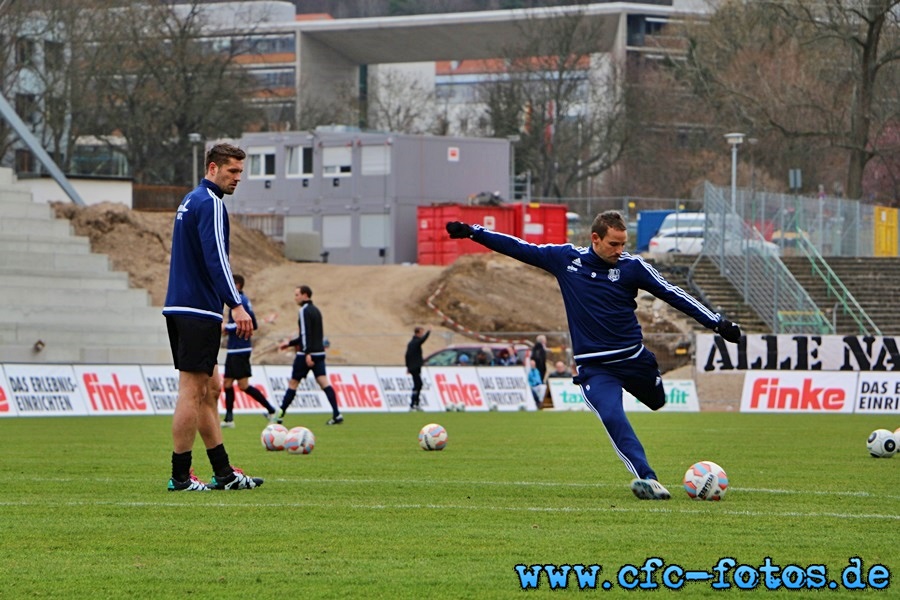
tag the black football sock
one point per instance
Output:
(181, 466)
(288, 398)
(218, 458)
(229, 403)
(332, 400)
(258, 396)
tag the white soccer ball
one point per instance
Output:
(272, 437)
(432, 437)
(705, 480)
(881, 443)
(299, 440)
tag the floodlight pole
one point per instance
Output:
(195, 139)
(735, 139)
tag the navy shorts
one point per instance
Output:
(237, 365)
(194, 343)
(639, 376)
(300, 369)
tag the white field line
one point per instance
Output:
(550, 484)
(669, 508)
(642, 508)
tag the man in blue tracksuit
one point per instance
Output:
(599, 285)
(200, 283)
(237, 362)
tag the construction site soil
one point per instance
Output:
(369, 311)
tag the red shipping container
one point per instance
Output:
(435, 246)
(542, 223)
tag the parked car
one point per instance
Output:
(450, 356)
(679, 221)
(690, 241)
(685, 241)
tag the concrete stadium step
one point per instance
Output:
(77, 335)
(22, 276)
(57, 291)
(23, 210)
(52, 298)
(48, 226)
(109, 315)
(27, 242)
(12, 194)
(99, 355)
(53, 260)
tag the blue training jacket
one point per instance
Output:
(599, 297)
(200, 279)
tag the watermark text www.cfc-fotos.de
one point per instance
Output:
(727, 573)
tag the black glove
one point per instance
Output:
(459, 230)
(731, 332)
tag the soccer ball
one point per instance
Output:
(881, 443)
(272, 436)
(299, 440)
(432, 437)
(705, 480)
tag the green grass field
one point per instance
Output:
(84, 512)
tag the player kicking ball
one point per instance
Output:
(599, 285)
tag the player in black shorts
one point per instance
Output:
(237, 362)
(200, 282)
(310, 344)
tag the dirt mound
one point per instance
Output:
(369, 311)
(139, 243)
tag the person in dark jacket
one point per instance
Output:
(237, 362)
(539, 354)
(310, 344)
(200, 283)
(414, 363)
(599, 285)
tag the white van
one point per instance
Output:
(682, 220)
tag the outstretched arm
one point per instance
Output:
(538, 256)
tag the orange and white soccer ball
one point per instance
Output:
(272, 437)
(705, 480)
(432, 437)
(299, 440)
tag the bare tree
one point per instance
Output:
(819, 75)
(161, 81)
(398, 101)
(562, 101)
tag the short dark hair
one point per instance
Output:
(305, 290)
(220, 153)
(610, 219)
(239, 280)
(418, 330)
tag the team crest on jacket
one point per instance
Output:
(614, 274)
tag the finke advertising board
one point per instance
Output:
(458, 388)
(357, 389)
(7, 407)
(826, 392)
(114, 389)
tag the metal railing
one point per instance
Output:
(835, 287)
(753, 266)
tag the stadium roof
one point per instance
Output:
(460, 36)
